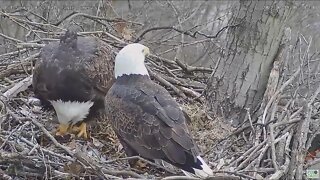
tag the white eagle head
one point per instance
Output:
(130, 60)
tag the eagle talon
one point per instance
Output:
(62, 129)
(82, 130)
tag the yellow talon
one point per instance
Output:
(62, 129)
(82, 129)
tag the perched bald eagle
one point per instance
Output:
(146, 119)
(73, 76)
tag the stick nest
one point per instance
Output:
(272, 144)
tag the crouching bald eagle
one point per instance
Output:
(73, 77)
(146, 119)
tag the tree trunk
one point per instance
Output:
(241, 74)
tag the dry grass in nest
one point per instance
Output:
(205, 129)
(102, 131)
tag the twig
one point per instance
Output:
(273, 148)
(244, 155)
(250, 120)
(278, 92)
(139, 38)
(29, 45)
(284, 168)
(235, 174)
(12, 66)
(68, 158)
(189, 69)
(20, 51)
(75, 14)
(184, 45)
(166, 83)
(55, 142)
(142, 159)
(171, 62)
(36, 24)
(4, 176)
(193, 35)
(266, 146)
(80, 156)
(10, 38)
(304, 129)
(21, 86)
(190, 92)
(122, 173)
(180, 178)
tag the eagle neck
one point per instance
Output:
(132, 78)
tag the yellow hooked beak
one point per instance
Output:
(146, 51)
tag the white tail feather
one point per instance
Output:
(202, 173)
(71, 112)
(188, 174)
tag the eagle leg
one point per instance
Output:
(82, 130)
(62, 129)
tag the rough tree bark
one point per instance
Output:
(240, 77)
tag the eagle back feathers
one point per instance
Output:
(145, 116)
(75, 64)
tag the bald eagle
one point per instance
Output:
(145, 117)
(73, 77)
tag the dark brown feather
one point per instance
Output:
(148, 120)
(74, 69)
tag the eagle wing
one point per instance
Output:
(85, 65)
(150, 121)
(100, 68)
